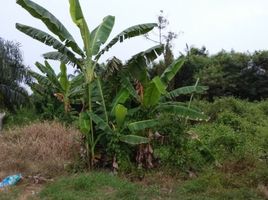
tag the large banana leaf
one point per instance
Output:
(183, 111)
(171, 71)
(120, 114)
(121, 98)
(141, 125)
(37, 88)
(42, 80)
(77, 81)
(52, 77)
(133, 139)
(46, 39)
(128, 33)
(138, 70)
(76, 92)
(79, 20)
(84, 123)
(100, 34)
(125, 82)
(186, 90)
(55, 55)
(150, 54)
(49, 69)
(52, 23)
(153, 92)
(137, 65)
(41, 67)
(101, 124)
(184, 104)
(64, 82)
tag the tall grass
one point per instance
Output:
(39, 148)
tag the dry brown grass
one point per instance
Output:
(43, 148)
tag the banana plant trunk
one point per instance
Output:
(145, 152)
(90, 136)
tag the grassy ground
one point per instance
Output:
(155, 185)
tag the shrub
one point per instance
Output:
(237, 129)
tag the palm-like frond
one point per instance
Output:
(186, 90)
(52, 23)
(133, 139)
(153, 92)
(14, 93)
(100, 34)
(182, 111)
(55, 55)
(171, 71)
(79, 20)
(47, 39)
(149, 55)
(137, 65)
(128, 33)
(141, 125)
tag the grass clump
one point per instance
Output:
(217, 185)
(96, 185)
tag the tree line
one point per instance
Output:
(241, 75)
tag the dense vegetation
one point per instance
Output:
(193, 119)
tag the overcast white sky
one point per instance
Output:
(217, 24)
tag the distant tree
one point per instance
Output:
(242, 75)
(166, 38)
(255, 77)
(12, 73)
(195, 60)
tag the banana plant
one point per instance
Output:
(65, 90)
(153, 98)
(68, 51)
